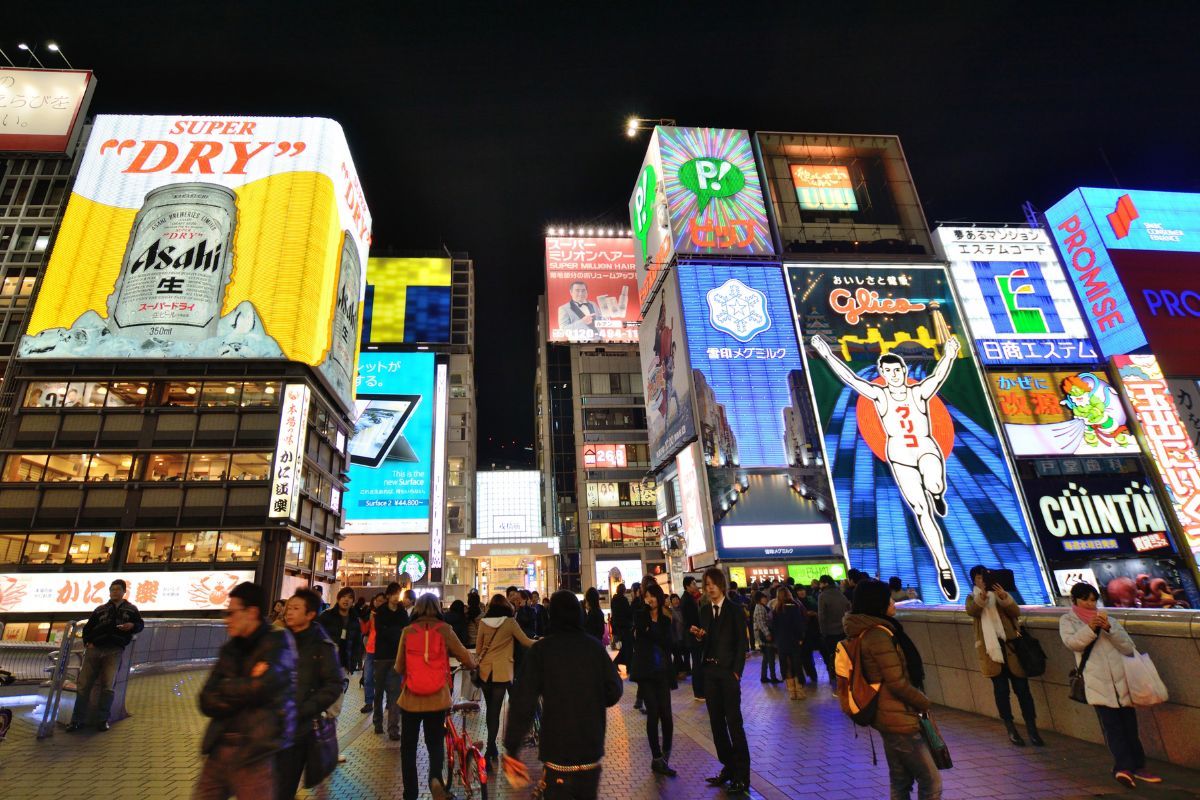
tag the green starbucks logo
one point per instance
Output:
(711, 177)
(413, 565)
(643, 205)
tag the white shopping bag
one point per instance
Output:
(1145, 687)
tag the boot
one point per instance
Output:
(800, 694)
(1013, 736)
(1034, 736)
(791, 687)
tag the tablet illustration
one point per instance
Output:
(379, 429)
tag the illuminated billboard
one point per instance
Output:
(665, 376)
(391, 450)
(213, 237)
(1165, 439)
(693, 497)
(151, 592)
(407, 301)
(42, 110)
(591, 289)
(1061, 413)
(1015, 296)
(923, 489)
(508, 504)
(823, 188)
(603, 456)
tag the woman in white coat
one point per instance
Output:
(1089, 632)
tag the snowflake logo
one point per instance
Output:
(738, 310)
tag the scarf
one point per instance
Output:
(912, 656)
(1085, 614)
(992, 626)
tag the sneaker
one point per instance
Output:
(1148, 777)
(1125, 778)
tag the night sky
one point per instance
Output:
(477, 125)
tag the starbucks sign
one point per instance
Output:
(413, 565)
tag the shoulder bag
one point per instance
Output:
(937, 745)
(322, 752)
(1077, 689)
(1029, 653)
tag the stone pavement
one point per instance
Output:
(799, 750)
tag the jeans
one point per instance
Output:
(698, 670)
(768, 660)
(368, 677)
(218, 779)
(411, 723)
(909, 759)
(493, 695)
(1000, 685)
(723, 695)
(1120, 728)
(583, 785)
(828, 648)
(289, 762)
(656, 692)
(387, 689)
(99, 667)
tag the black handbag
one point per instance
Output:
(322, 753)
(1077, 688)
(937, 745)
(1029, 653)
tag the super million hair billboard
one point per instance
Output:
(209, 237)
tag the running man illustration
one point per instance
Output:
(917, 462)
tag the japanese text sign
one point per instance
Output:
(151, 592)
(289, 452)
(42, 110)
(591, 290)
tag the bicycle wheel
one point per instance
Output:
(450, 750)
(476, 776)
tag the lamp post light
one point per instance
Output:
(33, 55)
(635, 124)
(54, 48)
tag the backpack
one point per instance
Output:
(859, 698)
(426, 662)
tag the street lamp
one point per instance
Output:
(28, 49)
(635, 124)
(54, 48)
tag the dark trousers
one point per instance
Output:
(583, 785)
(682, 657)
(828, 648)
(723, 696)
(387, 692)
(1000, 685)
(493, 696)
(698, 670)
(411, 723)
(768, 660)
(219, 778)
(789, 664)
(1121, 735)
(368, 680)
(289, 763)
(656, 693)
(908, 760)
(806, 658)
(98, 673)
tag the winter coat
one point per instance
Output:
(257, 714)
(899, 702)
(101, 628)
(319, 676)
(494, 647)
(458, 623)
(832, 605)
(593, 623)
(1009, 613)
(439, 701)
(691, 616)
(621, 615)
(651, 645)
(1104, 676)
(389, 625)
(787, 628)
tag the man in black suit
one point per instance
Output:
(723, 631)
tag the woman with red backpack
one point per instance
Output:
(423, 662)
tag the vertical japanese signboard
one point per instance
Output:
(923, 490)
(289, 452)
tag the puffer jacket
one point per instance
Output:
(1104, 676)
(900, 703)
(1009, 612)
(494, 647)
(257, 714)
(319, 676)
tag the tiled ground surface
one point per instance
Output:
(799, 750)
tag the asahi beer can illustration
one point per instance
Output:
(340, 362)
(177, 265)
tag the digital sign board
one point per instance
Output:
(693, 497)
(391, 451)
(1061, 413)
(1165, 439)
(209, 237)
(823, 188)
(923, 489)
(1015, 296)
(591, 289)
(508, 504)
(603, 456)
(407, 301)
(666, 376)
(151, 592)
(42, 110)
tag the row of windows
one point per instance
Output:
(191, 547)
(123, 394)
(56, 548)
(16, 290)
(16, 242)
(56, 467)
(614, 419)
(610, 383)
(631, 534)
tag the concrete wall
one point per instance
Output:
(946, 639)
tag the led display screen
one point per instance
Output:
(407, 301)
(693, 499)
(508, 504)
(1015, 296)
(213, 237)
(1164, 290)
(823, 188)
(391, 451)
(603, 456)
(1061, 413)
(591, 290)
(923, 490)
(666, 376)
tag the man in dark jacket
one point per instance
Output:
(107, 633)
(390, 621)
(723, 631)
(319, 679)
(621, 616)
(541, 614)
(251, 697)
(832, 606)
(342, 626)
(576, 681)
(690, 603)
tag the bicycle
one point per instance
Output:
(462, 752)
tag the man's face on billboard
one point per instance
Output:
(579, 292)
(895, 375)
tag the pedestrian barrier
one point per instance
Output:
(164, 644)
(946, 638)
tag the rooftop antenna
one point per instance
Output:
(1111, 171)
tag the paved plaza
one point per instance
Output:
(802, 751)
